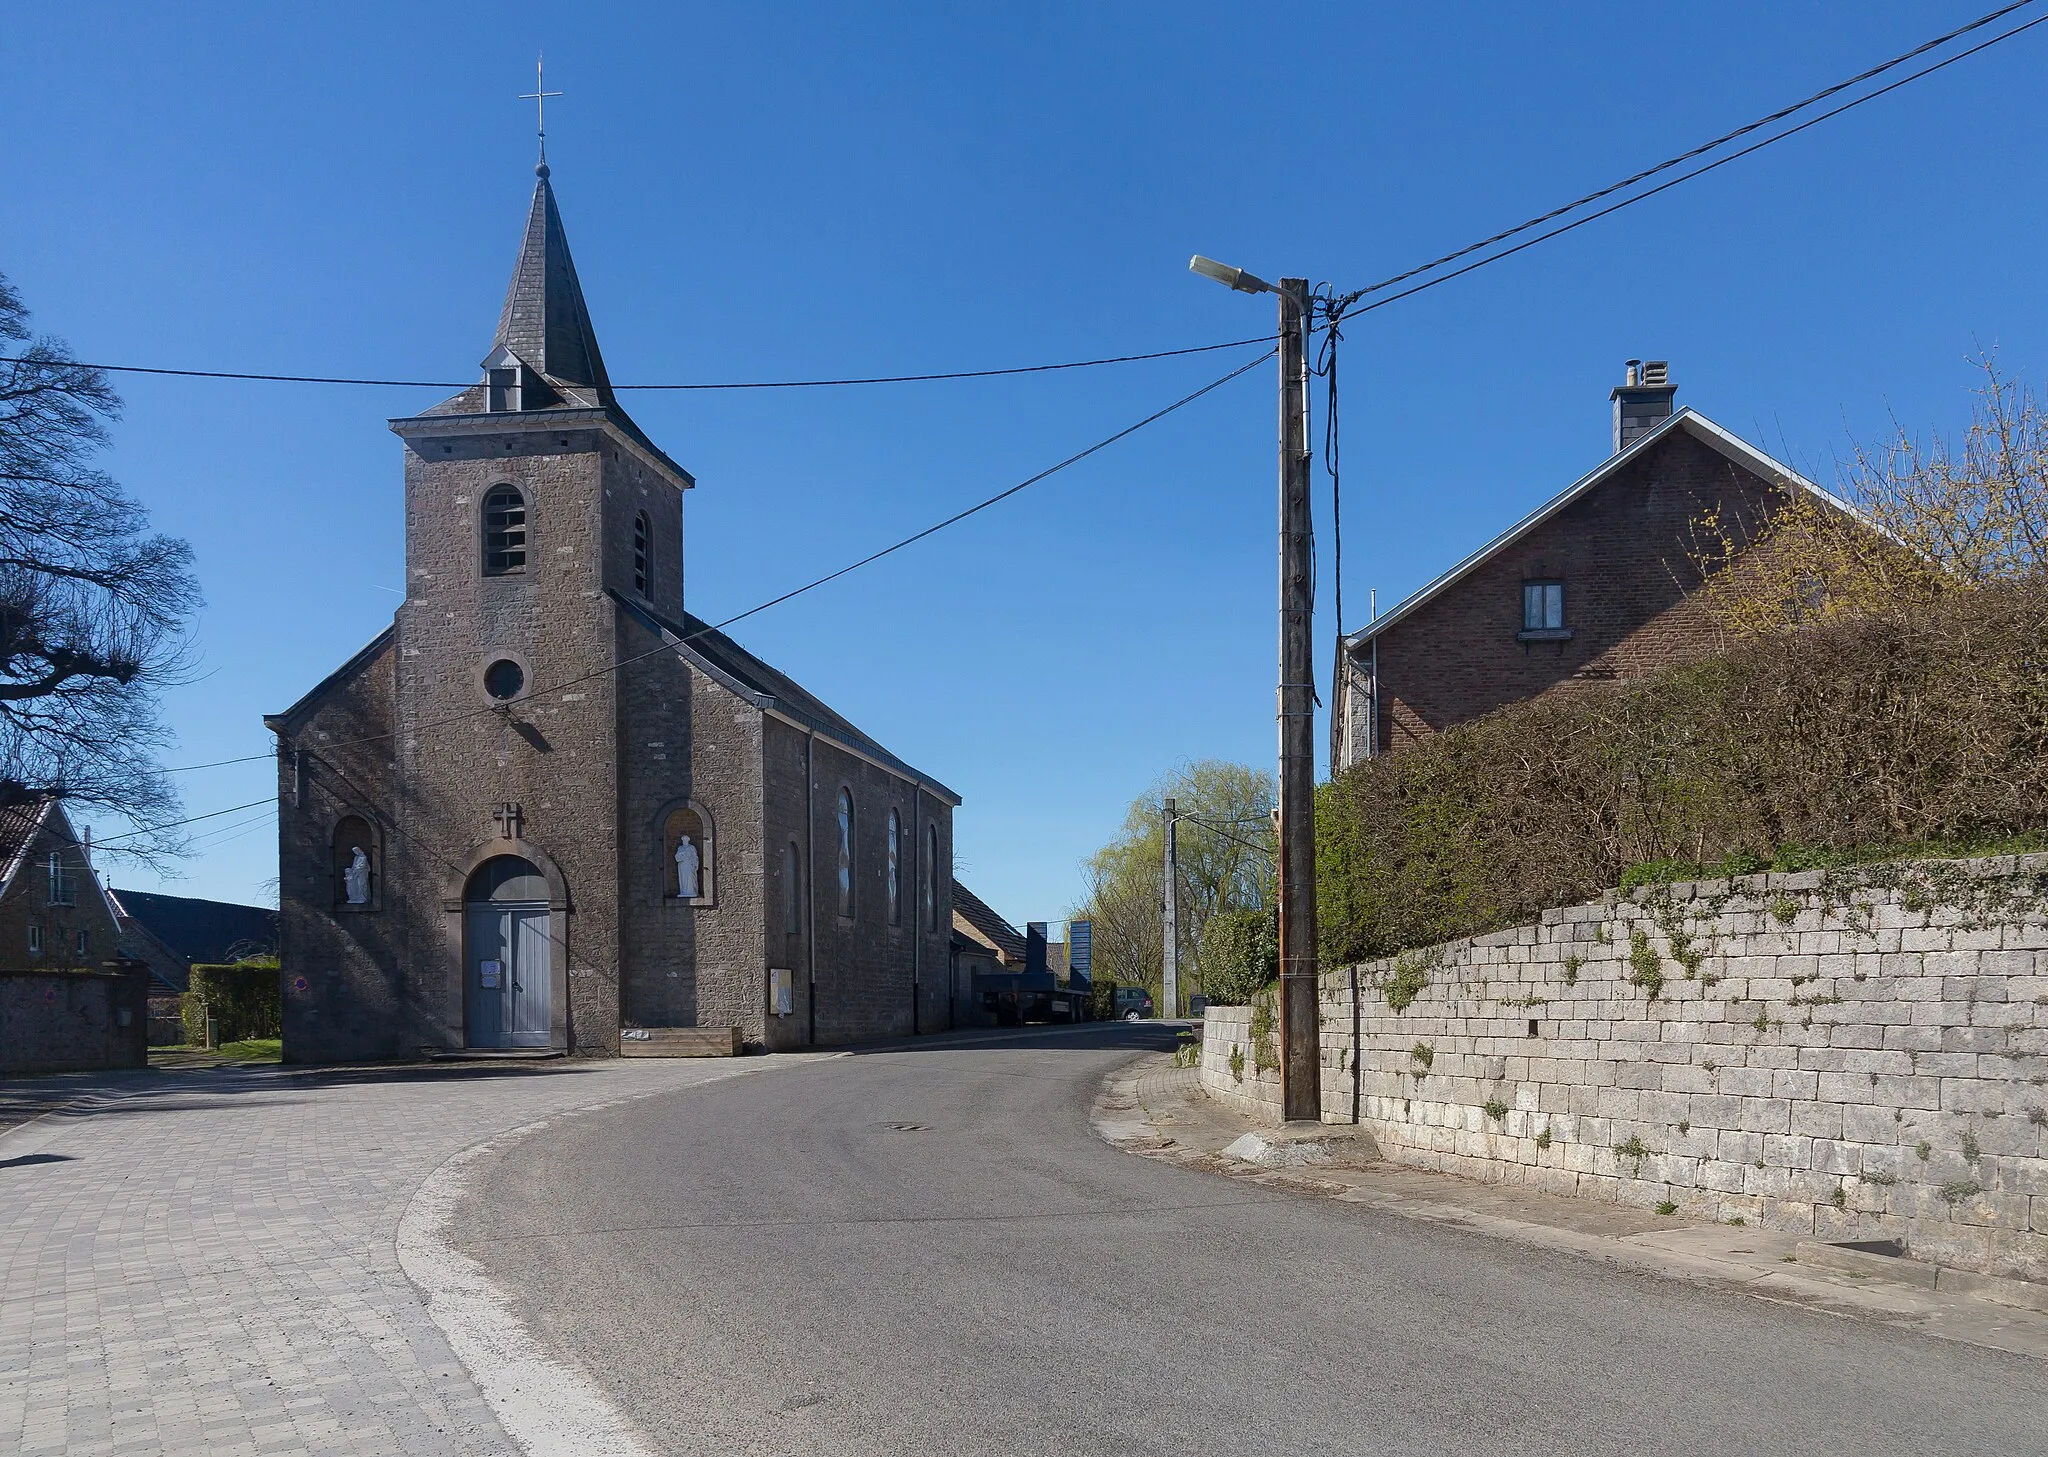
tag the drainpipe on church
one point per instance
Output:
(916, 900)
(810, 885)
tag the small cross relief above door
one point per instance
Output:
(510, 819)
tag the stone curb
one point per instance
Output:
(1154, 1110)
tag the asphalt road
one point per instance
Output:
(928, 1251)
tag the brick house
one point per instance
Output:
(1595, 584)
(68, 1000)
(547, 809)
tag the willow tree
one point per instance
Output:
(1225, 848)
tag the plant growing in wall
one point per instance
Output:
(1645, 966)
(1237, 1064)
(1408, 978)
(1494, 1108)
(1265, 1049)
(1423, 1056)
(1635, 1150)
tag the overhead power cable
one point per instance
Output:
(1701, 150)
(760, 384)
(958, 516)
(1225, 835)
(1347, 304)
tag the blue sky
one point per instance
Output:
(773, 191)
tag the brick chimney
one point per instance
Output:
(1642, 401)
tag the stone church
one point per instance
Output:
(547, 808)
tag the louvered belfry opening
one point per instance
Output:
(504, 532)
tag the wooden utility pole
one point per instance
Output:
(1169, 991)
(1301, 1094)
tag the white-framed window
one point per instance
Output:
(82, 943)
(895, 858)
(35, 938)
(1542, 606)
(60, 880)
(504, 531)
(845, 823)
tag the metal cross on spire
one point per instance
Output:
(539, 97)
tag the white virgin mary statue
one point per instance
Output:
(356, 878)
(688, 864)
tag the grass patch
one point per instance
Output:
(249, 1049)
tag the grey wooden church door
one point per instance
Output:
(510, 978)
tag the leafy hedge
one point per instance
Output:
(1845, 740)
(246, 998)
(1241, 950)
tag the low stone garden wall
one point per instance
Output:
(1853, 1054)
(67, 1020)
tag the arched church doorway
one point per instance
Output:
(509, 976)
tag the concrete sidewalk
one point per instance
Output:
(1155, 1109)
(203, 1262)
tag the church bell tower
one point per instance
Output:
(534, 506)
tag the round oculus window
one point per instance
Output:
(503, 680)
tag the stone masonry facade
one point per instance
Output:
(628, 724)
(1850, 1054)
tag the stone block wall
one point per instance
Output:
(1849, 1054)
(1232, 1070)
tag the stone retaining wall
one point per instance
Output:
(1852, 1054)
(1231, 1071)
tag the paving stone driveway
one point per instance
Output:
(204, 1262)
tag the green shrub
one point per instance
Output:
(1240, 956)
(1846, 741)
(246, 999)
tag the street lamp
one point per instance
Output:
(1229, 277)
(1300, 1060)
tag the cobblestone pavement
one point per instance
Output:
(203, 1262)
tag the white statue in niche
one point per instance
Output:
(688, 864)
(355, 880)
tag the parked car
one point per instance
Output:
(1133, 1004)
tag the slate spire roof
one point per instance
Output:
(545, 321)
(545, 344)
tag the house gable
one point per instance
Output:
(1613, 550)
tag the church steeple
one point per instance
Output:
(545, 325)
